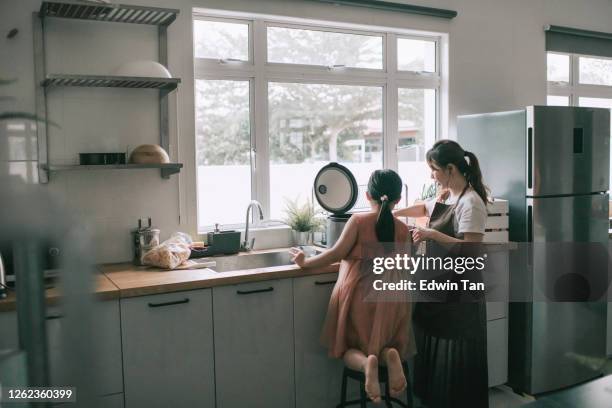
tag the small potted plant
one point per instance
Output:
(427, 192)
(302, 219)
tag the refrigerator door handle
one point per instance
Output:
(529, 234)
(530, 158)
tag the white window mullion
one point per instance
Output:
(390, 105)
(261, 175)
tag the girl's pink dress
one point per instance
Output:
(369, 326)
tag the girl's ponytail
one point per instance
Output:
(385, 187)
(385, 224)
(474, 176)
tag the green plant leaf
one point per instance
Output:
(301, 218)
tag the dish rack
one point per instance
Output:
(116, 13)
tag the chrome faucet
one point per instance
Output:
(2, 279)
(246, 245)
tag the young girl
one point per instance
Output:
(451, 367)
(364, 332)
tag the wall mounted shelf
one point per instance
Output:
(116, 13)
(109, 81)
(167, 169)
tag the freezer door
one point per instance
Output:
(568, 150)
(568, 268)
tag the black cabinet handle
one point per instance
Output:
(53, 317)
(331, 282)
(248, 292)
(175, 302)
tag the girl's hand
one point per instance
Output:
(421, 234)
(298, 256)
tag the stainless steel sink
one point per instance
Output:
(252, 261)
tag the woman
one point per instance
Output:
(362, 331)
(451, 364)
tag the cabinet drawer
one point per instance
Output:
(168, 350)
(254, 345)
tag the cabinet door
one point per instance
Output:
(254, 345)
(317, 377)
(100, 361)
(497, 351)
(9, 338)
(168, 350)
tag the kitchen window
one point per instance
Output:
(277, 100)
(579, 80)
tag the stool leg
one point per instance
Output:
(364, 398)
(409, 403)
(343, 391)
(387, 396)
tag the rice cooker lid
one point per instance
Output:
(335, 188)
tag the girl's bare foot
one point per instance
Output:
(372, 386)
(397, 379)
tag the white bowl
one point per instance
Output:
(143, 68)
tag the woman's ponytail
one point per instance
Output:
(385, 187)
(385, 224)
(445, 152)
(474, 176)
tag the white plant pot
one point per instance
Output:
(302, 238)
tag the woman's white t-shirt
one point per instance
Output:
(470, 212)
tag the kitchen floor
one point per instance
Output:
(504, 397)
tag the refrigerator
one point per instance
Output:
(552, 164)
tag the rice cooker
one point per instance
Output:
(336, 191)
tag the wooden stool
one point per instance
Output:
(382, 378)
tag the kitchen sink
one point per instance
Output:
(253, 261)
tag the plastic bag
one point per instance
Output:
(170, 253)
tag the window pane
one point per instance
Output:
(595, 71)
(417, 133)
(558, 67)
(313, 124)
(555, 100)
(416, 55)
(309, 47)
(220, 40)
(223, 151)
(598, 103)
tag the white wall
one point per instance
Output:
(496, 62)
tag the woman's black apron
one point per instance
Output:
(451, 336)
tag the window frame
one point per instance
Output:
(259, 72)
(574, 89)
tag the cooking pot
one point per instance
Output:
(336, 191)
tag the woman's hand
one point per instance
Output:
(421, 234)
(298, 256)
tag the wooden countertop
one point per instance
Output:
(139, 281)
(123, 280)
(104, 290)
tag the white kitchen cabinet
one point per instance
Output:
(497, 351)
(318, 378)
(100, 361)
(168, 350)
(9, 338)
(254, 364)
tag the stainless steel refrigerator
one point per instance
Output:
(552, 164)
